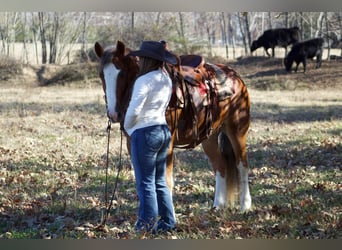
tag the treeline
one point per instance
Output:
(54, 35)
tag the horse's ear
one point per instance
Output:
(120, 48)
(98, 50)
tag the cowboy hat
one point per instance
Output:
(155, 50)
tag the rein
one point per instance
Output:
(109, 206)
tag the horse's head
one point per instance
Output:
(117, 72)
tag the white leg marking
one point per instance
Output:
(220, 191)
(110, 75)
(172, 185)
(245, 197)
(171, 193)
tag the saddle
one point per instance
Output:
(198, 87)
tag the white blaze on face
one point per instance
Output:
(110, 76)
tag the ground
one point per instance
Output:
(53, 159)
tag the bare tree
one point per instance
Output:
(73, 29)
(339, 18)
(84, 55)
(270, 26)
(243, 31)
(301, 21)
(34, 28)
(41, 17)
(246, 15)
(24, 31)
(210, 21)
(286, 19)
(232, 33)
(8, 31)
(327, 32)
(53, 37)
(181, 32)
(224, 33)
(320, 20)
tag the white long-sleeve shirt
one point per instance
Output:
(150, 97)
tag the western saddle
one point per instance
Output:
(198, 85)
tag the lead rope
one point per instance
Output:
(109, 206)
(107, 161)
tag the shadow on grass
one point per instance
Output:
(272, 72)
(289, 114)
(24, 210)
(289, 155)
(33, 108)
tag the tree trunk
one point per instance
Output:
(311, 27)
(339, 19)
(13, 32)
(2, 36)
(34, 28)
(25, 53)
(132, 36)
(54, 38)
(269, 21)
(42, 37)
(209, 43)
(243, 34)
(286, 20)
(247, 29)
(84, 54)
(320, 20)
(327, 32)
(224, 33)
(182, 33)
(301, 21)
(132, 22)
(231, 32)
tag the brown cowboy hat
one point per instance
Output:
(155, 50)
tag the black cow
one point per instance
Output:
(301, 51)
(281, 37)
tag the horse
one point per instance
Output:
(210, 105)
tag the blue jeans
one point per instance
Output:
(149, 147)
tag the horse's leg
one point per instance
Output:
(237, 134)
(169, 172)
(128, 146)
(224, 188)
(169, 167)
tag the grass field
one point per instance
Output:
(53, 163)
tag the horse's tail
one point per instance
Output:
(232, 173)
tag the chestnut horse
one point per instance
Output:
(220, 124)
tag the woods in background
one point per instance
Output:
(54, 37)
